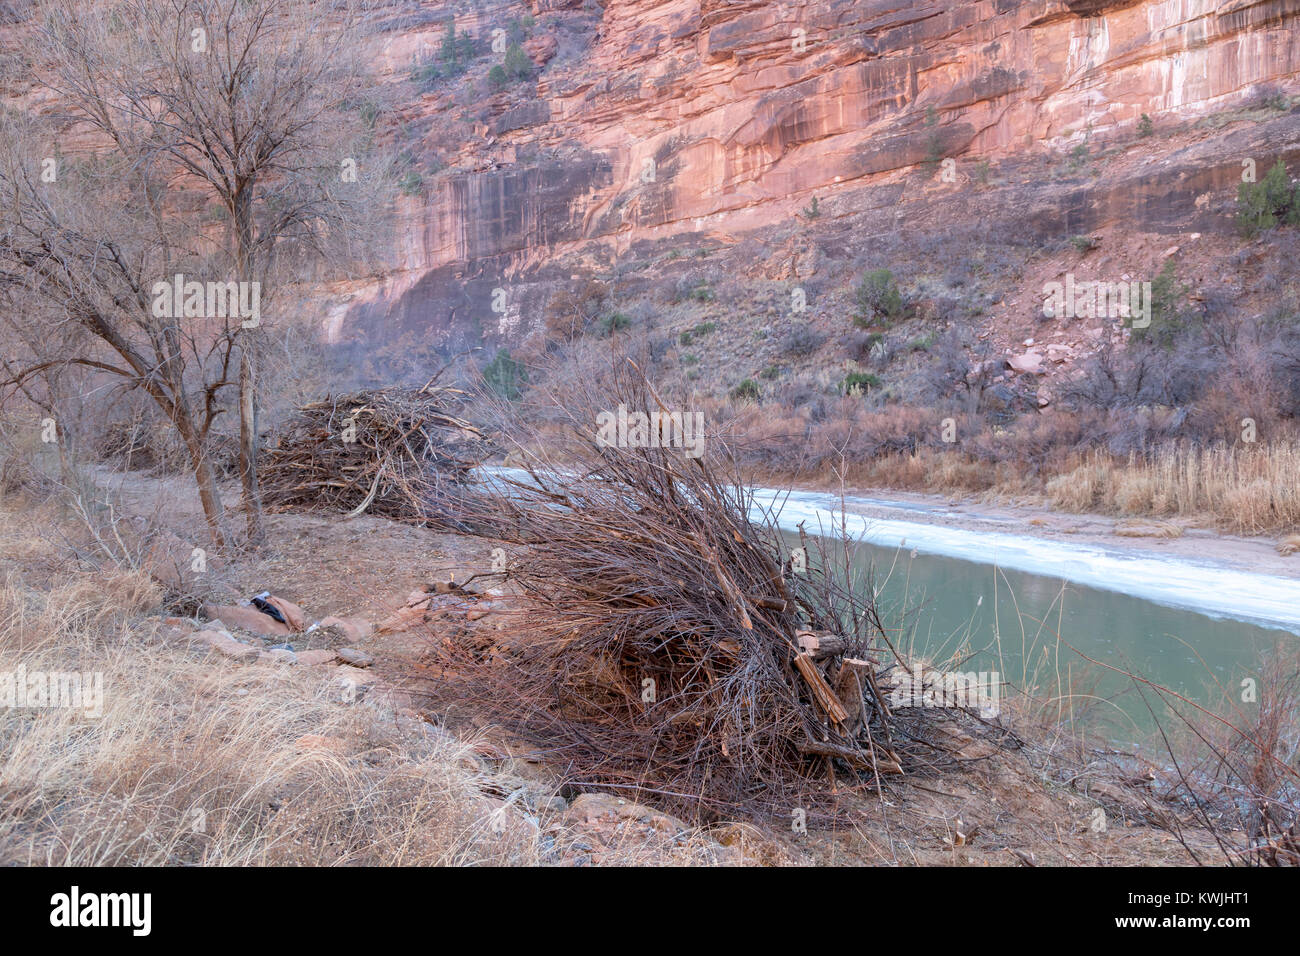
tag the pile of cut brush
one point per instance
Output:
(396, 452)
(675, 649)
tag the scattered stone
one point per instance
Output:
(245, 619)
(355, 629)
(555, 804)
(223, 643)
(355, 657)
(317, 657)
(1031, 362)
(279, 655)
(997, 398)
(592, 808)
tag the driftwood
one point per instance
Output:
(396, 452)
(820, 646)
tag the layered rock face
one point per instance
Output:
(661, 117)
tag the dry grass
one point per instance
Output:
(1244, 490)
(200, 761)
(1148, 529)
(194, 759)
(1248, 490)
(1241, 488)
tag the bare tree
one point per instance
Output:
(219, 141)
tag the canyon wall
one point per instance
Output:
(653, 118)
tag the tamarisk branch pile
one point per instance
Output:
(396, 452)
(667, 646)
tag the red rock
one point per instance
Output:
(541, 48)
(223, 643)
(355, 629)
(751, 122)
(292, 613)
(316, 657)
(245, 619)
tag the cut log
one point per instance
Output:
(820, 644)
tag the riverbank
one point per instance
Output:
(435, 789)
(1177, 538)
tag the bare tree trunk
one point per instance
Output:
(248, 449)
(242, 222)
(266, 105)
(203, 475)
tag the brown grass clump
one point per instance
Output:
(1249, 490)
(191, 762)
(1149, 529)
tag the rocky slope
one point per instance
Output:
(668, 122)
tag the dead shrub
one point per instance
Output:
(670, 651)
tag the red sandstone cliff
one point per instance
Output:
(665, 116)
